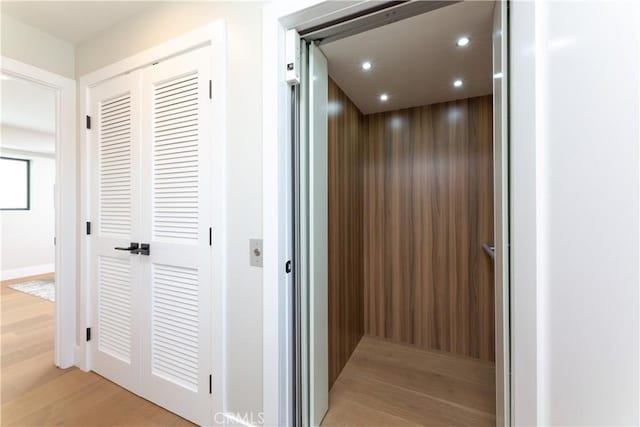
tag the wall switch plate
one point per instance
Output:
(255, 252)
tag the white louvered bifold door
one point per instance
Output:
(115, 165)
(176, 153)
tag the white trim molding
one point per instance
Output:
(65, 202)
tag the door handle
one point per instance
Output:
(145, 249)
(133, 248)
(490, 250)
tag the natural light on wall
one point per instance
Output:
(14, 184)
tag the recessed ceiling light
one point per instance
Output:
(366, 65)
(457, 83)
(384, 97)
(462, 41)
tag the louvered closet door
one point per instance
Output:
(176, 328)
(115, 218)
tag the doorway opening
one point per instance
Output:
(38, 223)
(39, 195)
(27, 216)
(27, 182)
(401, 221)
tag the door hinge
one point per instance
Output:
(210, 89)
(210, 384)
(210, 237)
(88, 334)
(54, 241)
(88, 122)
(88, 227)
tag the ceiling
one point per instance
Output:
(416, 60)
(74, 22)
(28, 109)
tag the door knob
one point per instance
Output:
(133, 248)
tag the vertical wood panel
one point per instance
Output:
(428, 192)
(346, 260)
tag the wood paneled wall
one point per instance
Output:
(346, 259)
(428, 207)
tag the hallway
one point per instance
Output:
(35, 392)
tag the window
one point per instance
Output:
(15, 184)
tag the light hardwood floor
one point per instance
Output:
(390, 384)
(36, 393)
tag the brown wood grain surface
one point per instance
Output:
(428, 207)
(346, 259)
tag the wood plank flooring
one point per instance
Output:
(36, 393)
(383, 384)
(390, 384)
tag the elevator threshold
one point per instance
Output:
(390, 384)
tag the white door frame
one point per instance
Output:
(64, 202)
(213, 34)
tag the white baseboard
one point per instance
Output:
(34, 270)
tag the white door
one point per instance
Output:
(153, 186)
(115, 165)
(318, 234)
(176, 275)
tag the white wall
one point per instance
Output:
(244, 120)
(27, 236)
(17, 138)
(575, 109)
(32, 46)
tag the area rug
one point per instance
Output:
(40, 288)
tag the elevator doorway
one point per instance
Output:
(402, 222)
